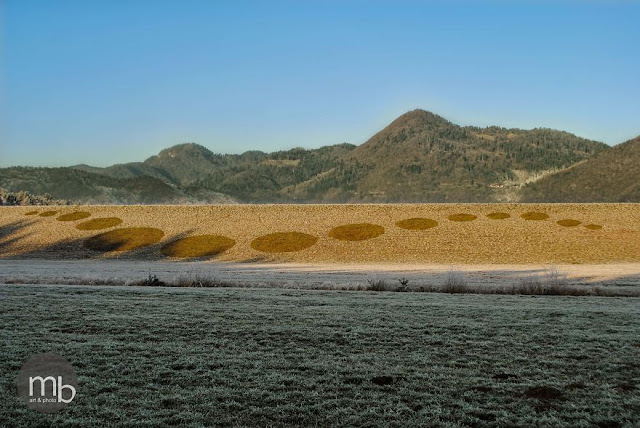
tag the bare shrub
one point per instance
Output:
(376, 284)
(149, 281)
(455, 281)
(199, 280)
(551, 282)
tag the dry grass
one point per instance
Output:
(417, 223)
(514, 241)
(31, 213)
(462, 217)
(198, 246)
(498, 216)
(74, 216)
(568, 222)
(593, 226)
(455, 282)
(534, 215)
(48, 213)
(126, 239)
(283, 242)
(99, 223)
(356, 232)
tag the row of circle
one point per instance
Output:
(127, 239)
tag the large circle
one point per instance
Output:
(32, 213)
(283, 242)
(462, 217)
(99, 223)
(126, 239)
(417, 223)
(498, 216)
(356, 232)
(198, 246)
(569, 222)
(535, 215)
(77, 215)
(48, 213)
(593, 226)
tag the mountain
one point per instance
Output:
(422, 157)
(609, 176)
(86, 187)
(419, 157)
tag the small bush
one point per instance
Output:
(455, 281)
(376, 284)
(199, 280)
(150, 281)
(550, 282)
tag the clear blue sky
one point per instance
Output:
(109, 81)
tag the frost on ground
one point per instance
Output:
(271, 357)
(608, 280)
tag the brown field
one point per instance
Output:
(483, 240)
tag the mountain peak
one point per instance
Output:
(184, 149)
(420, 118)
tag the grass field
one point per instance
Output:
(392, 233)
(248, 357)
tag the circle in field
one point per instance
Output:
(568, 222)
(593, 226)
(498, 216)
(48, 213)
(283, 242)
(356, 232)
(198, 246)
(535, 215)
(417, 223)
(32, 213)
(126, 239)
(462, 217)
(78, 215)
(99, 223)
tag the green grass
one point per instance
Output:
(254, 357)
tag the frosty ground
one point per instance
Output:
(256, 357)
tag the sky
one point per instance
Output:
(104, 82)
